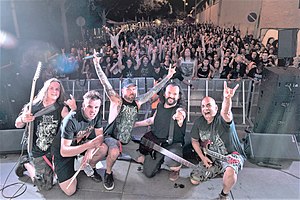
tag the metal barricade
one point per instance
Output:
(201, 88)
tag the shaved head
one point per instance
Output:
(209, 108)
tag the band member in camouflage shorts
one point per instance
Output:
(45, 127)
(214, 133)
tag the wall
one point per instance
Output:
(280, 14)
(273, 14)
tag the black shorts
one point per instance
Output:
(65, 171)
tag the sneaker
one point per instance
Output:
(20, 169)
(223, 197)
(174, 175)
(108, 181)
(96, 177)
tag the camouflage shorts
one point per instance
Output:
(43, 173)
(201, 173)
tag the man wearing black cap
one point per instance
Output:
(123, 111)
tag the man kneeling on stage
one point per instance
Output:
(81, 134)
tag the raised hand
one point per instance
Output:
(71, 103)
(96, 59)
(228, 92)
(172, 70)
(179, 116)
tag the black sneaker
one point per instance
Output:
(96, 177)
(223, 197)
(108, 181)
(20, 168)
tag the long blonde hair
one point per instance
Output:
(42, 94)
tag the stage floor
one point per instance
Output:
(254, 182)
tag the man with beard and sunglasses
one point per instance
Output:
(170, 108)
(122, 115)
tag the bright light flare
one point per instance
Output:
(7, 40)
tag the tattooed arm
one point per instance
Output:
(111, 93)
(146, 122)
(147, 96)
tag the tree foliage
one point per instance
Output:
(120, 10)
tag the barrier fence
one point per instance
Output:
(244, 102)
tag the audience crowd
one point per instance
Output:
(198, 50)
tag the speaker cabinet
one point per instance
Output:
(272, 150)
(287, 43)
(278, 108)
(10, 141)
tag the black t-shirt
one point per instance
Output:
(146, 71)
(239, 70)
(264, 63)
(78, 129)
(162, 121)
(128, 72)
(203, 73)
(225, 72)
(45, 129)
(254, 74)
(158, 75)
(222, 134)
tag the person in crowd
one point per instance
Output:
(158, 73)
(129, 68)
(216, 70)
(215, 131)
(256, 73)
(123, 113)
(265, 60)
(88, 71)
(114, 38)
(253, 57)
(238, 70)
(145, 66)
(169, 108)
(226, 66)
(204, 69)
(45, 124)
(188, 65)
(81, 133)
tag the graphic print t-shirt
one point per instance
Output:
(187, 68)
(125, 121)
(222, 134)
(78, 129)
(45, 129)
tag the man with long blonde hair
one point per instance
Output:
(45, 127)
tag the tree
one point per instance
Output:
(102, 8)
(120, 10)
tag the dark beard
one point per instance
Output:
(171, 104)
(129, 99)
